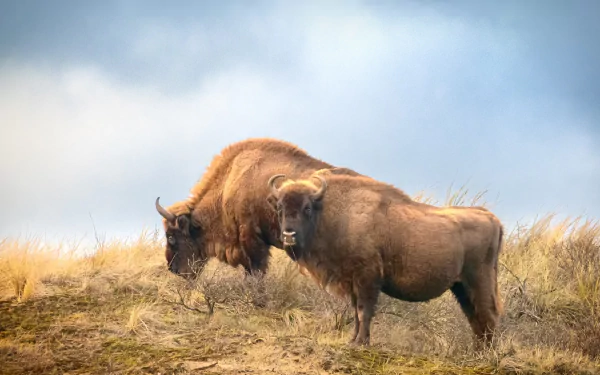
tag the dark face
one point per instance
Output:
(184, 247)
(296, 219)
(298, 206)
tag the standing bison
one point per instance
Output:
(226, 215)
(357, 237)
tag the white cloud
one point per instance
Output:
(66, 136)
(416, 101)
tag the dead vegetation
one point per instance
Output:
(118, 310)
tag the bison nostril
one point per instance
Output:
(289, 237)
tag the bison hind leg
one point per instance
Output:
(258, 280)
(462, 296)
(354, 300)
(479, 306)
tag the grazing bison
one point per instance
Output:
(226, 215)
(357, 236)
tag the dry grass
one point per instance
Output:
(118, 310)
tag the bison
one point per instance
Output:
(358, 237)
(226, 215)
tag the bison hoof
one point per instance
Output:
(358, 342)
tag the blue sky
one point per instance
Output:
(106, 105)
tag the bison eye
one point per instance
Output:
(307, 209)
(171, 240)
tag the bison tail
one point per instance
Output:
(500, 238)
(498, 300)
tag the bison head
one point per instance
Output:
(184, 248)
(298, 205)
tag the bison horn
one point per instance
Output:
(163, 212)
(319, 193)
(271, 183)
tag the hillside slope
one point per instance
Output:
(120, 311)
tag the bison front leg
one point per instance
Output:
(365, 308)
(256, 263)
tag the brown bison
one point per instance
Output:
(226, 215)
(357, 236)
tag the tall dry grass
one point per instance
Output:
(30, 268)
(549, 283)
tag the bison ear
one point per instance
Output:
(272, 202)
(196, 220)
(183, 223)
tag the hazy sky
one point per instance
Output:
(106, 105)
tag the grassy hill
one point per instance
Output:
(120, 311)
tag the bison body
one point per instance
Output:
(358, 237)
(226, 215)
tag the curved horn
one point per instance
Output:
(271, 183)
(319, 193)
(163, 212)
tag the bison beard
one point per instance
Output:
(358, 237)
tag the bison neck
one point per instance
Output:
(220, 234)
(328, 278)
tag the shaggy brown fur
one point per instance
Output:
(357, 236)
(226, 215)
